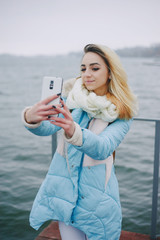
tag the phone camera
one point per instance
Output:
(51, 84)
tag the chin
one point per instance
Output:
(90, 88)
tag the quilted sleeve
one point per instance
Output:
(101, 146)
(45, 129)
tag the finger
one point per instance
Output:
(64, 105)
(65, 112)
(49, 99)
(48, 107)
(48, 113)
(59, 120)
(62, 102)
(58, 124)
(42, 118)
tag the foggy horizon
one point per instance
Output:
(58, 27)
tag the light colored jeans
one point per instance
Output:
(69, 232)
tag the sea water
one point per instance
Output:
(25, 158)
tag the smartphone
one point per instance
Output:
(52, 86)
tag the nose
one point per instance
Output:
(87, 73)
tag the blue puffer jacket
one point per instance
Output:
(75, 194)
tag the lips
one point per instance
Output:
(89, 81)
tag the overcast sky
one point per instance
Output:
(31, 27)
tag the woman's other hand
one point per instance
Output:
(67, 122)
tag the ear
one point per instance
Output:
(109, 77)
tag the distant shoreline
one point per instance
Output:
(137, 51)
(152, 51)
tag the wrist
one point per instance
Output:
(24, 120)
(26, 117)
(76, 138)
(71, 133)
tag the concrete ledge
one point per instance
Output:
(52, 233)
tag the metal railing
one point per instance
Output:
(153, 233)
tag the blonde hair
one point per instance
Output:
(119, 92)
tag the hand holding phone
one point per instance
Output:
(52, 86)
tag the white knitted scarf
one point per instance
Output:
(95, 106)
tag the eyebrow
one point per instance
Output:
(83, 65)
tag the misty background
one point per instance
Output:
(51, 27)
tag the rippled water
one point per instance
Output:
(25, 158)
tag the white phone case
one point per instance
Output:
(52, 86)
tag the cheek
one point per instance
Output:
(106, 75)
(103, 77)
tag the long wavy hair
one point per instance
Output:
(119, 92)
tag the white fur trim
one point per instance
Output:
(32, 126)
(67, 87)
(76, 139)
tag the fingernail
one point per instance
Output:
(62, 105)
(54, 106)
(61, 98)
(49, 116)
(58, 94)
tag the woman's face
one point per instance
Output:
(94, 73)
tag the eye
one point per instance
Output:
(95, 69)
(83, 70)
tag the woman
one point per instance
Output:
(80, 190)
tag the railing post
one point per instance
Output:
(155, 180)
(54, 143)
